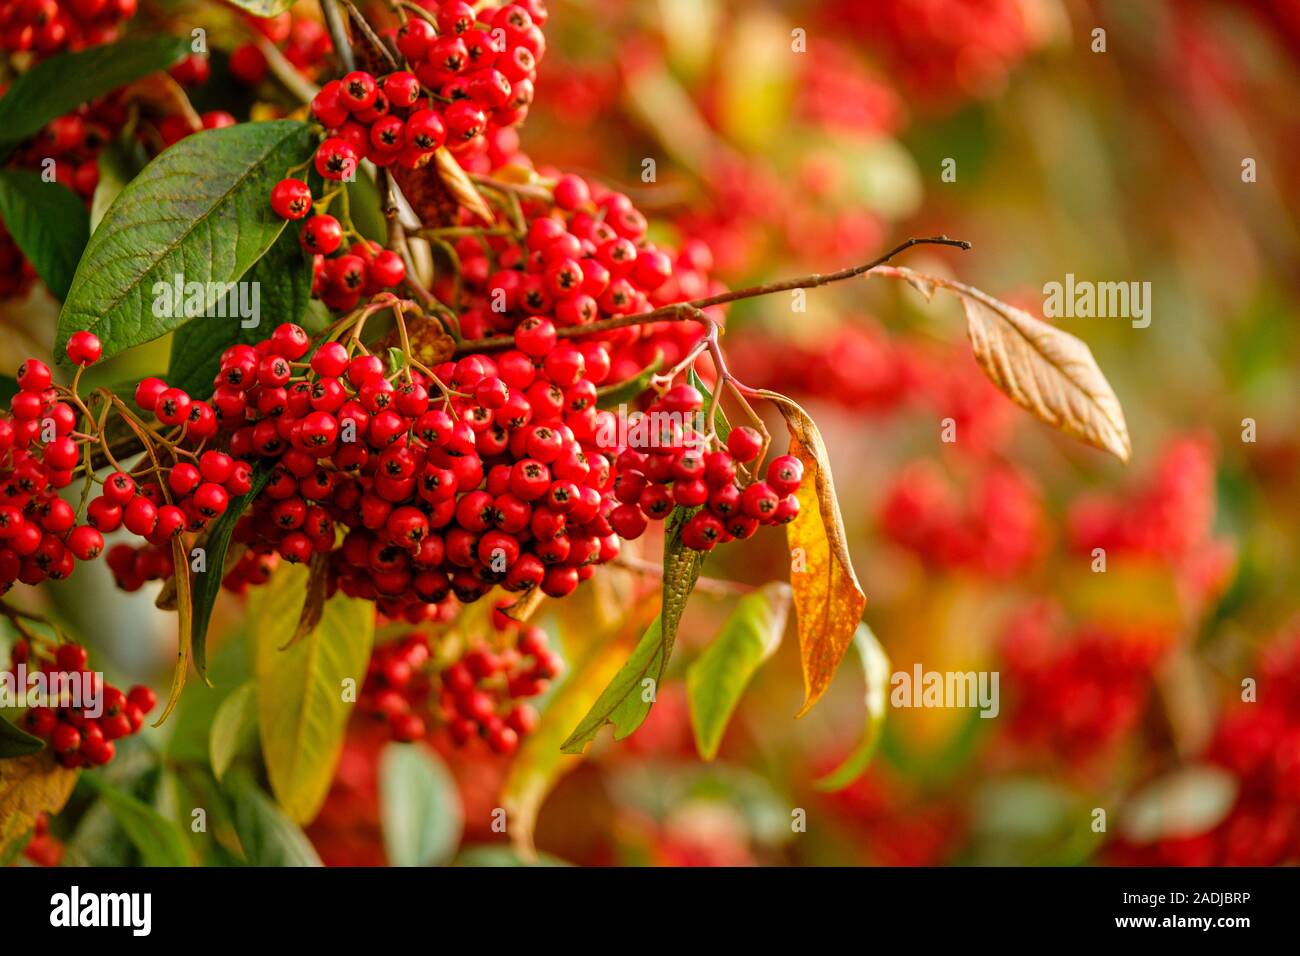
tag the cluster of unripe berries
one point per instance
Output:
(500, 482)
(52, 26)
(340, 281)
(672, 467)
(480, 67)
(39, 534)
(480, 695)
(77, 738)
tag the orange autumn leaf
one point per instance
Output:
(828, 599)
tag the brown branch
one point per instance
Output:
(338, 34)
(682, 311)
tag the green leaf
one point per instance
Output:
(540, 764)
(15, 742)
(263, 8)
(119, 163)
(61, 83)
(875, 668)
(719, 676)
(234, 728)
(282, 283)
(626, 702)
(493, 854)
(420, 807)
(303, 704)
(200, 212)
(158, 839)
(207, 586)
(268, 836)
(49, 224)
(723, 426)
(624, 393)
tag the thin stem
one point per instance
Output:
(338, 34)
(680, 311)
(284, 71)
(371, 36)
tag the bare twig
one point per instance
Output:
(682, 311)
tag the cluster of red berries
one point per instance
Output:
(1077, 695)
(304, 42)
(500, 482)
(669, 466)
(340, 281)
(480, 695)
(585, 257)
(386, 120)
(1166, 517)
(51, 26)
(1259, 743)
(998, 531)
(39, 534)
(82, 728)
(946, 51)
(480, 67)
(195, 490)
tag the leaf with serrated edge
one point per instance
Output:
(199, 211)
(828, 599)
(875, 671)
(420, 807)
(717, 678)
(47, 222)
(301, 710)
(540, 763)
(30, 786)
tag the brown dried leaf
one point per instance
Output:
(459, 185)
(184, 625)
(828, 599)
(314, 605)
(30, 786)
(1046, 371)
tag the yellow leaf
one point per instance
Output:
(459, 185)
(302, 703)
(828, 599)
(184, 598)
(30, 786)
(540, 764)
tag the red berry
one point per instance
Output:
(84, 348)
(744, 443)
(291, 199)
